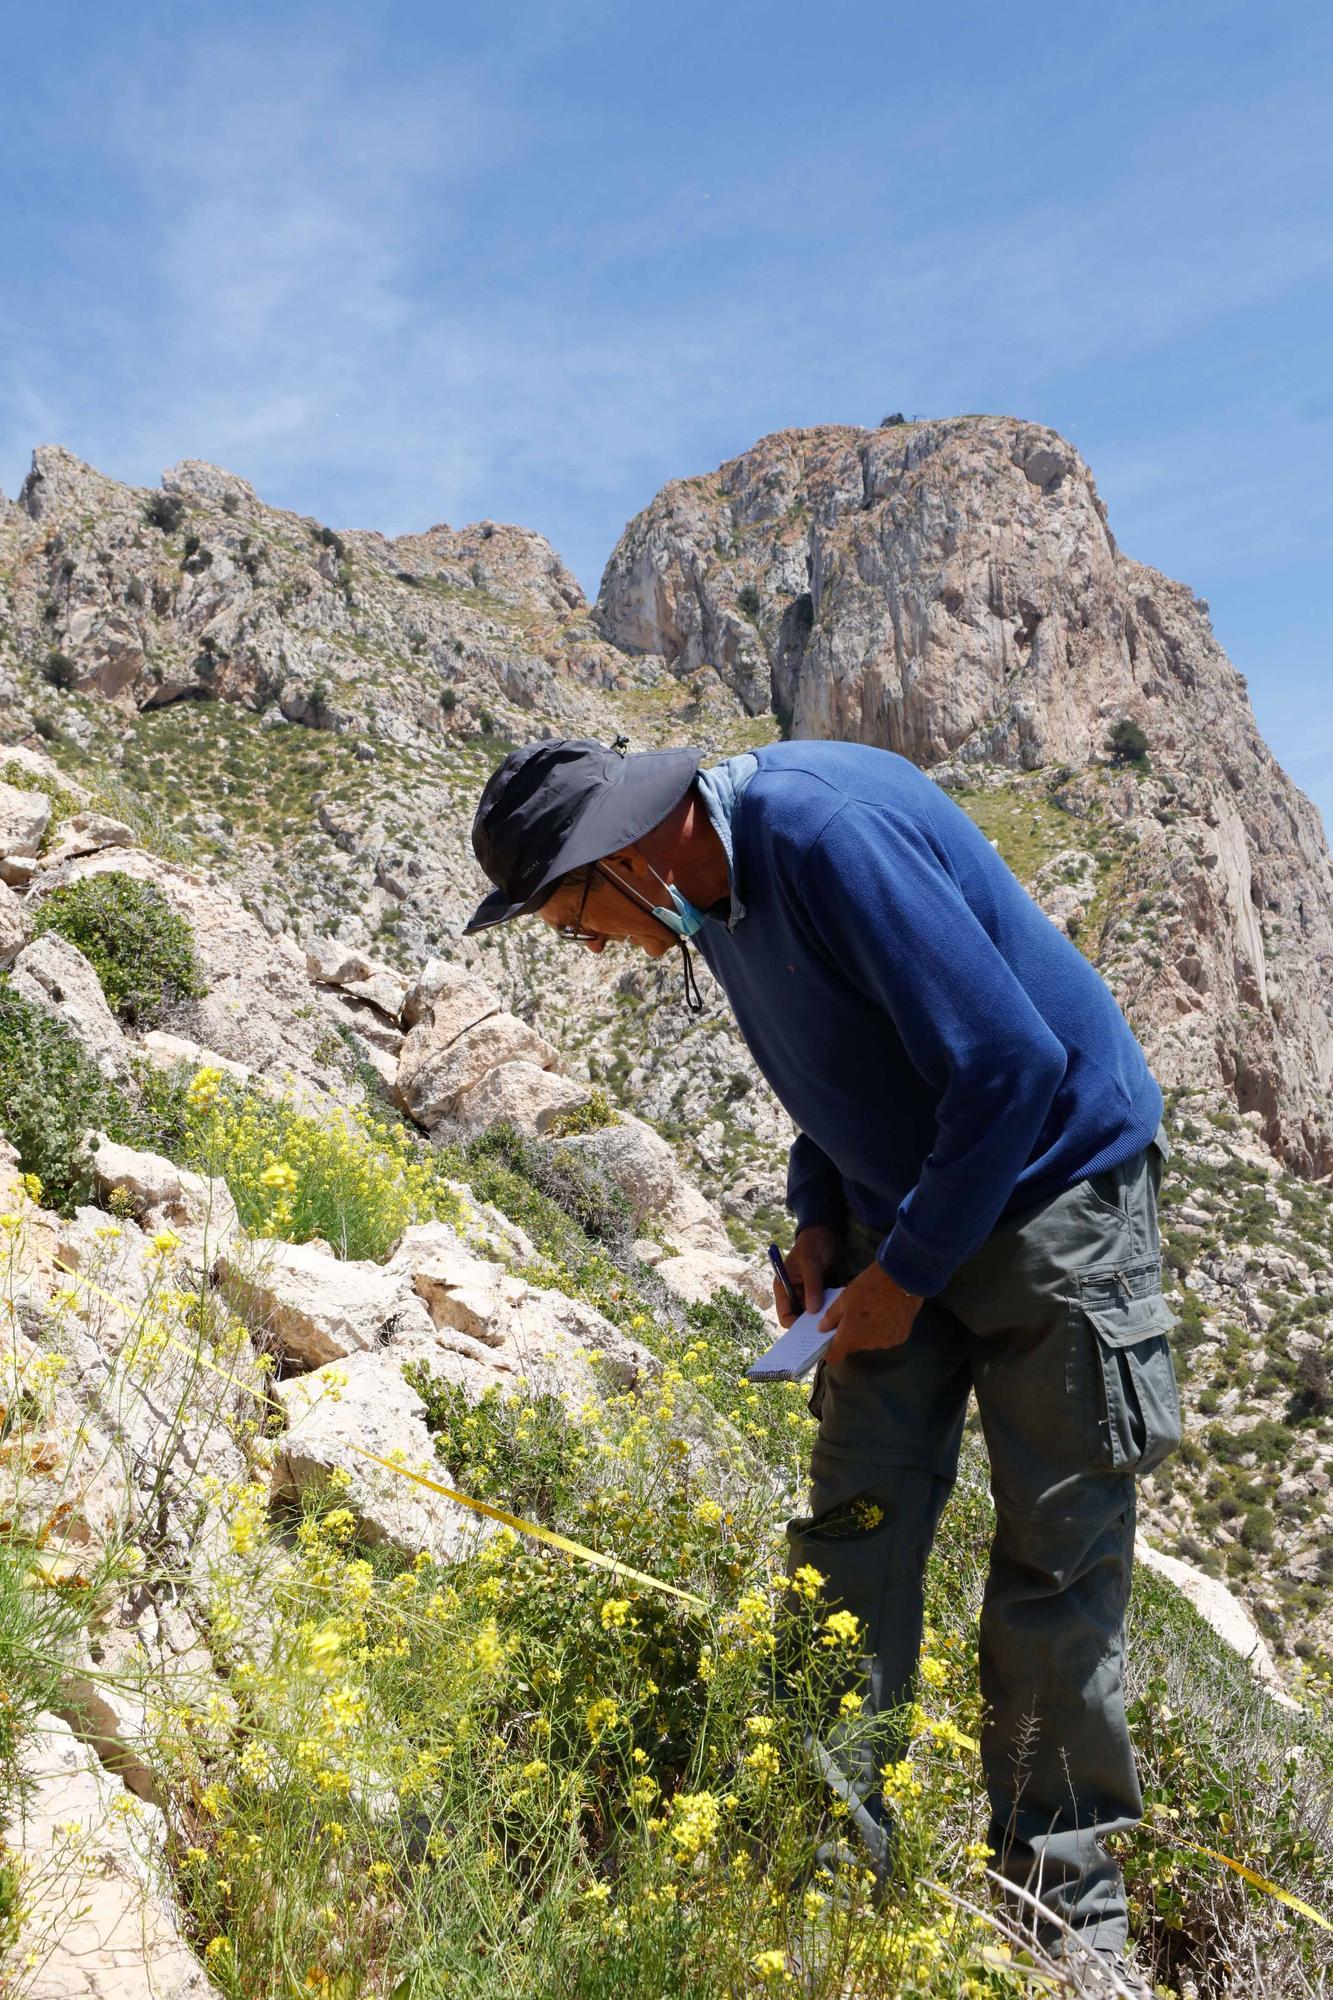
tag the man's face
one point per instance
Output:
(605, 913)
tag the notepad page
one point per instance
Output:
(797, 1350)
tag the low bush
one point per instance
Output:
(51, 1093)
(165, 511)
(355, 1180)
(140, 948)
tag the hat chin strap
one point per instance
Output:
(693, 997)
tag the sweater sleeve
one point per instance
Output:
(814, 1186)
(892, 915)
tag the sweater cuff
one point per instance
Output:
(815, 1192)
(913, 1269)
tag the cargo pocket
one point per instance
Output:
(1121, 1327)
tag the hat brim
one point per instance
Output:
(651, 784)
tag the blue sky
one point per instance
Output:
(411, 262)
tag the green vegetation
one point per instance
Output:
(1128, 744)
(1025, 826)
(52, 1093)
(140, 948)
(354, 1181)
(592, 1116)
(165, 511)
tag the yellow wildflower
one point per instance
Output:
(806, 1582)
(841, 1628)
(771, 1967)
(615, 1614)
(601, 1716)
(695, 1819)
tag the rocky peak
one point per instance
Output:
(952, 591)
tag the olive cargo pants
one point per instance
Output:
(1059, 1325)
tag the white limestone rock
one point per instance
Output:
(441, 1061)
(164, 1196)
(53, 974)
(522, 1094)
(13, 926)
(333, 962)
(640, 1163)
(697, 1275)
(97, 1918)
(363, 1405)
(86, 833)
(24, 817)
(315, 1308)
(1217, 1607)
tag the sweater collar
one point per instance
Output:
(720, 788)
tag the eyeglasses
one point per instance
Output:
(574, 933)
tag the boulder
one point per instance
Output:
(313, 1307)
(53, 974)
(331, 962)
(98, 1922)
(162, 1195)
(86, 833)
(441, 1061)
(522, 1094)
(697, 1275)
(168, 1051)
(1225, 1613)
(492, 1326)
(337, 1414)
(13, 926)
(640, 1163)
(439, 980)
(24, 818)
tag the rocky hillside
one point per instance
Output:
(313, 1215)
(306, 715)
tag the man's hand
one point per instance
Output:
(808, 1260)
(871, 1312)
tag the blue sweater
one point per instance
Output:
(948, 1056)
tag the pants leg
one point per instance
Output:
(890, 1425)
(1076, 1395)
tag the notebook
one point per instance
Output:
(798, 1349)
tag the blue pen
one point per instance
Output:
(775, 1259)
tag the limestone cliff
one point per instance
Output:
(953, 591)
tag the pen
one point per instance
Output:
(775, 1259)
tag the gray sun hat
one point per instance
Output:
(552, 807)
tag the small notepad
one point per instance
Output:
(797, 1350)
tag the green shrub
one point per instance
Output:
(749, 601)
(1127, 742)
(59, 670)
(140, 948)
(518, 1451)
(352, 1179)
(165, 511)
(50, 1094)
(593, 1116)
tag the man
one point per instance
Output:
(978, 1154)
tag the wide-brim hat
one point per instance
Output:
(552, 807)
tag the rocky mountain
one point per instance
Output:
(314, 1214)
(305, 715)
(953, 591)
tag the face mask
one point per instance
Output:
(682, 918)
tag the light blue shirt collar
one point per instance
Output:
(720, 788)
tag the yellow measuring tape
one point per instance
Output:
(1259, 1881)
(532, 1528)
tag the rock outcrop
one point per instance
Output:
(953, 591)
